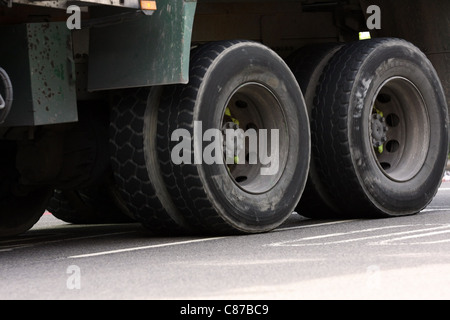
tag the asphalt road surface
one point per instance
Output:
(402, 258)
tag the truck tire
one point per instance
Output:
(381, 130)
(85, 192)
(307, 64)
(20, 206)
(135, 165)
(95, 205)
(244, 85)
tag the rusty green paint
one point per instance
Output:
(36, 56)
(59, 71)
(146, 51)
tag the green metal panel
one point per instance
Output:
(146, 51)
(37, 58)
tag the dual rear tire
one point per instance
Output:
(379, 127)
(379, 139)
(184, 162)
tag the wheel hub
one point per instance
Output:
(379, 130)
(236, 147)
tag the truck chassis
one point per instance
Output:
(125, 110)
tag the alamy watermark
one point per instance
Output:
(74, 20)
(231, 146)
(374, 20)
(74, 279)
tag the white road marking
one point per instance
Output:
(416, 236)
(430, 242)
(87, 255)
(191, 241)
(142, 248)
(309, 241)
(435, 209)
(352, 232)
(314, 225)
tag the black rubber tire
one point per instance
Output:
(207, 194)
(95, 205)
(393, 75)
(86, 193)
(307, 64)
(20, 207)
(135, 164)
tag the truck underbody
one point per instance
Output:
(88, 112)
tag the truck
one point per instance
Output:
(212, 117)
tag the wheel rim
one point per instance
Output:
(399, 129)
(255, 112)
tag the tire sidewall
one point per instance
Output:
(254, 63)
(385, 193)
